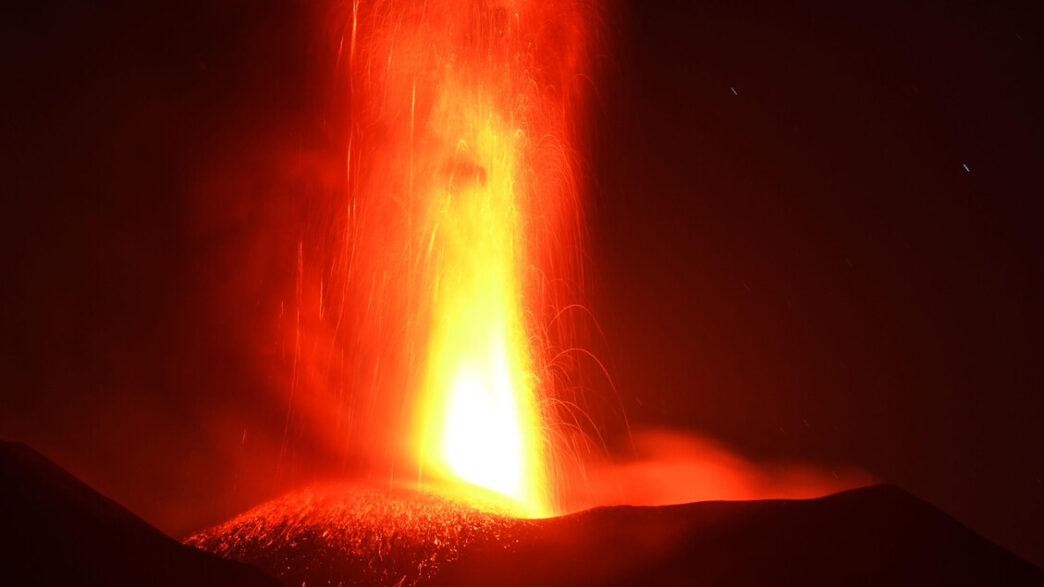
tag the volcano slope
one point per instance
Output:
(354, 535)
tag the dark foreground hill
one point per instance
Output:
(353, 535)
(55, 530)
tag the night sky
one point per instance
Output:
(813, 234)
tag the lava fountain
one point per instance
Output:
(437, 340)
(493, 177)
(478, 417)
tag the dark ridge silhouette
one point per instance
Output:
(56, 530)
(879, 535)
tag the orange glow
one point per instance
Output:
(670, 467)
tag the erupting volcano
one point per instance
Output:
(339, 328)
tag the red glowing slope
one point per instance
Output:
(55, 530)
(872, 536)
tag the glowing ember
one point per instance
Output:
(358, 535)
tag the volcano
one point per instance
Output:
(57, 530)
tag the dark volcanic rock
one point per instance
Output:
(870, 536)
(362, 536)
(58, 531)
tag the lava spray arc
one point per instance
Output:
(448, 265)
